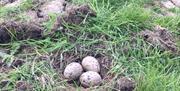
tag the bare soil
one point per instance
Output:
(33, 29)
(125, 84)
(160, 37)
(23, 86)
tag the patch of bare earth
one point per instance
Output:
(33, 28)
(124, 84)
(3, 67)
(161, 38)
(23, 86)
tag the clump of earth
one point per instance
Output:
(125, 84)
(161, 38)
(33, 27)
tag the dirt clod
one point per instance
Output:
(23, 86)
(105, 64)
(75, 15)
(3, 67)
(4, 36)
(33, 27)
(3, 83)
(19, 31)
(17, 63)
(124, 84)
(160, 37)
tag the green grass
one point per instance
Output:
(116, 20)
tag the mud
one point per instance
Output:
(33, 28)
(161, 38)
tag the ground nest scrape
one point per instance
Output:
(104, 61)
(118, 83)
(59, 62)
(33, 27)
(59, 66)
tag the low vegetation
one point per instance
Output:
(112, 36)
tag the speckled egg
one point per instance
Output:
(90, 63)
(73, 71)
(90, 78)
